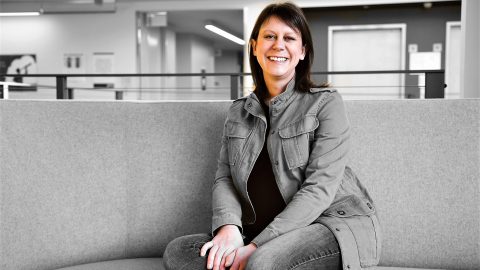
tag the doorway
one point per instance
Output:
(367, 48)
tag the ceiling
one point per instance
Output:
(229, 20)
(180, 21)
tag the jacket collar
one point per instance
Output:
(253, 106)
(277, 104)
(285, 97)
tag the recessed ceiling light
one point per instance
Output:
(13, 14)
(224, 34)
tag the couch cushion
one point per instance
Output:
(129, 264)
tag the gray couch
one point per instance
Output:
(108, 182)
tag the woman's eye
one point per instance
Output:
(290, 38)
(269, 36)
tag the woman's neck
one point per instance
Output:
(276, 86)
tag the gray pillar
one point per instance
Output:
(470, 44)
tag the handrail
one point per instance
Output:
(434, 79)
(212, 74)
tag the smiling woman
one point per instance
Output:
(283, 196)
(278, 49)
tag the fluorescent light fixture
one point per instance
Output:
(13, 14)
(224, 34)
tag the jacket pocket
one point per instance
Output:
(236, 134)
(360, 217)
(295, 141)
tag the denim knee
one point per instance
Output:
(184, 252)
(330, 260)
(171, 254)
(261, 259)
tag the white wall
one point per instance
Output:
(193, 54)
(228, 62)
(203, 57)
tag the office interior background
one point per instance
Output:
(169, 37)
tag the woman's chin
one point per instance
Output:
(280, 74)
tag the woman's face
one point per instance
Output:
(278, 49)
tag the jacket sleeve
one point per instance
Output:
(323, 173)
(225, 199)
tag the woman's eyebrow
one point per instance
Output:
(286, 33)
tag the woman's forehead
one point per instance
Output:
(276, 21)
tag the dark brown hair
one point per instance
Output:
(293, 16)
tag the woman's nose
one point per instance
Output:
(279, 44)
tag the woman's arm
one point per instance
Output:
(226, 205)
(227, 212)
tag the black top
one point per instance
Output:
(263, 190)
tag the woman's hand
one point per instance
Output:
(226, 241)
(238, 259)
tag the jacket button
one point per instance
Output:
(276, 162)
(348, 266)
(341, 212)
(273, 131)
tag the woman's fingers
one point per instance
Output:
(211, 256)
(205, 248)
(218, 258)
(235, 265)
(229, 259)
(222, 263)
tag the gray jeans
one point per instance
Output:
(312, 247)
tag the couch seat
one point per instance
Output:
(127, 264)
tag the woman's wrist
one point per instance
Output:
(230, 227)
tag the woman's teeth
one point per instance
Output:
(279, 59)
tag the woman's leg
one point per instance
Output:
(184, 253)
(312, 247)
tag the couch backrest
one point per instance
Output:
(89, 181)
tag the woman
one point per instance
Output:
(283, 197)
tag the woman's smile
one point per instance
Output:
(277, 59)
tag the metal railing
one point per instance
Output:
(434, 80)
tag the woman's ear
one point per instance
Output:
(253, 43)
(304, 51)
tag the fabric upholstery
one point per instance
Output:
(128, 264)
(83, 182)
